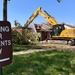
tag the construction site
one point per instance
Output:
(41, 47)
(51, 30)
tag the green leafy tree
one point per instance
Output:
(23, 36)
(17, 24)
(18, 38)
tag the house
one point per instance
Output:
(43, 30)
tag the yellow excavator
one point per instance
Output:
(58, 31)
(44, 14)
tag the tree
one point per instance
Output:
(17, 24)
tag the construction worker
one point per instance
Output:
(37, 37)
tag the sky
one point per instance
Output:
(21, 10)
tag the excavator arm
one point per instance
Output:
(44, 14)
(48, 17)
(32, 17)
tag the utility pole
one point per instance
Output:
(4, 19)
(5, 10)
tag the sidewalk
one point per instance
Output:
(52, 47)
(30, 51)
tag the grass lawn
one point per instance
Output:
(25, 47)
(42, 63)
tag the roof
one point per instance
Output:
(69, 26)
(43, 27)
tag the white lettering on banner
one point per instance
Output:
(5, 43)
(9, 42)
(4, 29)
(0, 36)
(1, 51)
(5, 59)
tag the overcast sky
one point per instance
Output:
(21, 10)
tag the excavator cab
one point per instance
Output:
(57, 29)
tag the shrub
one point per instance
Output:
(19, 38)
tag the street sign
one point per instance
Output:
(5, 43)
